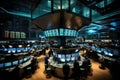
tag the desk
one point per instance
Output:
(26, 63)
(60, 65)
(57, 67)
(10, 69)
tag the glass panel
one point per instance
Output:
(101, 4)
(95, 15)
(86, 12)
(64, 4)
(109, 1)
(56, 4)
(43, 8)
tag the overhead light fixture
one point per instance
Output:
(113, 24)
(19, 45)
(10, 46)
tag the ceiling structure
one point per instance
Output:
(62, 19)
(100, 12)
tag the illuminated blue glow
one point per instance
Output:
(25, 59)
(113, 29)
(61, 32)
(73, 10)
(20, 14)
(91, 31)
(7, 64)
(15, 62)
(1, 65)
(17, 13)
(53, 32)
(113, 24)
(94, 26)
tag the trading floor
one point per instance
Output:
(59, 40)
(97, 73)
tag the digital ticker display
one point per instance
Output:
(61, 32)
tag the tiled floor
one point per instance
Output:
(97, 73)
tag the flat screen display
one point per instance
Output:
(54, 54)
(8, 64)
(60, 32)
(56, 32)
(68, 57)
(25, 59)
(20, 49)
(66, 32)
(15, 62)
(62, 59)
(1, 65)
(53, 32)
(5, 49)
(21, 60)
(50, 33)
(59, 55)
(116, 52)
(11, 50)
(75, 55)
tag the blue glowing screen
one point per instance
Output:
(60, 32)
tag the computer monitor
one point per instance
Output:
(25, 59)
(13, 50)
(48, 33)
(15, 62)
(9, 51)
(61, 32)
(68, 56)
(53, 32)
(18, 50)
(1, 65)
(69, 33)
(116, 52)
(59, 55)
(54, 54)
(57, 34)
(45, 33)
(21, 60)
(66, 32)
(1, 49)
(62, 59)
(5, 49)
(106, 52)
(8, 64)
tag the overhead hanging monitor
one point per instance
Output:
(61, 32)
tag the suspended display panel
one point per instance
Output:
(61, 32)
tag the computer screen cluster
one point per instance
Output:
(61, 32)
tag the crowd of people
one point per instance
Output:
(78, 70)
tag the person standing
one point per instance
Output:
(66, 70)
(76, 70)
(46, 62)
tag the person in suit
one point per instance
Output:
(66, 70)
(76, 70)
(46, 62)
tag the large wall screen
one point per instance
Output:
(61, 32)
